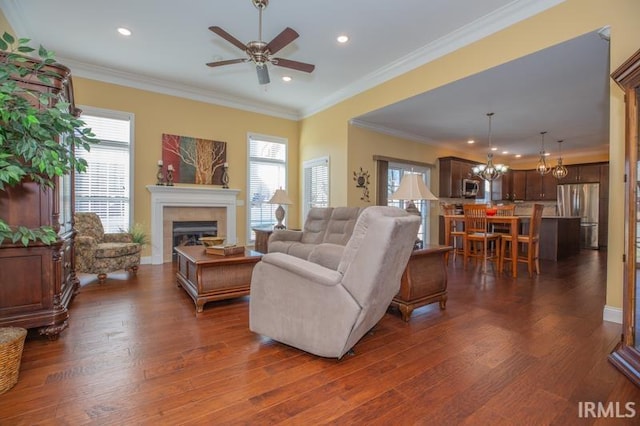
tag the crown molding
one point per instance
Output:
(391, 131)
(137, 81)
(497, 20)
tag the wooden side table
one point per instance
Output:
(262, 239)
(424, 280)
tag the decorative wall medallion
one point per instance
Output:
(361, 178)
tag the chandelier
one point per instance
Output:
(559, 171)
(489, 171)
(543, 168)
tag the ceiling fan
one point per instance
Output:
(260, 52)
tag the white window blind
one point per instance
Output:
(267, 172)
(105, 187)
(316, 184)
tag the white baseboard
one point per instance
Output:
(612, 314)
(145, 260)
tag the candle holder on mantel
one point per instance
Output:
(170, 175)
(159, 175)
(225, 176)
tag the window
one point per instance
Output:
(316, 184)
(105, 187)
(267, 172)
(395, 173)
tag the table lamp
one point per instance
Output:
(412, 188)
(280, 197)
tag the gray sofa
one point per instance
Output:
(325, 311)
(325, 233)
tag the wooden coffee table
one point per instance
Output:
(207, 277)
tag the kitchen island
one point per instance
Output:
(559, 236)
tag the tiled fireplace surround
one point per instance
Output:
(187, 203)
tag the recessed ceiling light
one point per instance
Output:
(493, 148)
(470, 141)
(342, 39)
(286, 78)
(505, 152)
(518, 155)
(124, 31)
(546, 154)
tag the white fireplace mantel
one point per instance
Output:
(188, 196)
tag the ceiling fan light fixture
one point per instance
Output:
(542, 167)
(490, 171)
(263, 74)
(342, 38)
(260, 52)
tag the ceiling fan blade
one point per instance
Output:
(263, 74)
(281, 40)
(295, 65)
(231, 39)
(227, 62)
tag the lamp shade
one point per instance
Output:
(412, 187)
(280, 197)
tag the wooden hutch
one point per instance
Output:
(37, 282)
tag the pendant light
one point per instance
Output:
(543, 168)
(559, 171)
(490, 171)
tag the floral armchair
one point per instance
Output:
(100, 253)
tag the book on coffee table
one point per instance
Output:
(225, 250)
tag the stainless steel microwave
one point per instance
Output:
(470, 188)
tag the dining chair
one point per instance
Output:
(528, 244)
(456, 233)
(503, 210)
(479, 242)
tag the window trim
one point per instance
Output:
(120, 115)
(268, 138)
(319, 161)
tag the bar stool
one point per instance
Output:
(529, 243)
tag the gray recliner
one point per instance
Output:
(325, 311)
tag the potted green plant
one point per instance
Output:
(31, 148)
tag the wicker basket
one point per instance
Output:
(11, 344)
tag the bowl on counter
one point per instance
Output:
(491, 211)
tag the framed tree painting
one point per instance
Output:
(194, 160)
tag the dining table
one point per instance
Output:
(512, 221)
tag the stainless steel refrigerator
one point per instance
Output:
(581, 199)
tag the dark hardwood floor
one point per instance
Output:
(505, 351)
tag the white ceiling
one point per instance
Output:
(171, 44)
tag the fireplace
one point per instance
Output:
(188, 233)
(170, 204)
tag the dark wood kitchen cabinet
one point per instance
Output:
(514, 185)
(540, 187)
(582, 173)
(453, 171)
(37, 282)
